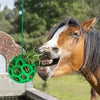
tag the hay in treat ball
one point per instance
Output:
(22, 68)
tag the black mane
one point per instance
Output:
(73, 22)
(92, 51)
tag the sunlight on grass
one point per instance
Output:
(69, 87)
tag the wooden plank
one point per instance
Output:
(13, 98)
(35, 94)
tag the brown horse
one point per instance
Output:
(69, 50)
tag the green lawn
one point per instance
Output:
(69, 87)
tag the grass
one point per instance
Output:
(69, 87)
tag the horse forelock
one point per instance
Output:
(73, 22)
(92, 52)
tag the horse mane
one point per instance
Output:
(68, 22)
(92, 51)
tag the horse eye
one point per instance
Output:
(76, 35)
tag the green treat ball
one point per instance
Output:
(20, 71)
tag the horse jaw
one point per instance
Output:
(59, 69)
(46, 72)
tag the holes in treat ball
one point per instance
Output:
(23, 77)
(20, 71)
(20, 63)
(17, 71)
(33, 67)
(31, 75)
(26, 69)
(12, 63)
(17, 79)
(10, 72)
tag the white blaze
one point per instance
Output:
(53, 41)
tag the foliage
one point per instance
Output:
(51, 11)
(29, 40)
(7, 17)
(94, 10)
(4, 23)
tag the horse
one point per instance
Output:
(69, 49)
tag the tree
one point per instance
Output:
(94, 10)
(52, 11)
(5, 25)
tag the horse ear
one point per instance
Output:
(90, 23)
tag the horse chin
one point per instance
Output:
(45, 72)
(48, 66)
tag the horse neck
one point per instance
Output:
(92, 78)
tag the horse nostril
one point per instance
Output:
(42, 50)
(55, 49)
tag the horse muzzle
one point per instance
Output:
(49, 61)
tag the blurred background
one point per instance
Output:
(39, 17)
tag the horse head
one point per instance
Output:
(64, 49)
